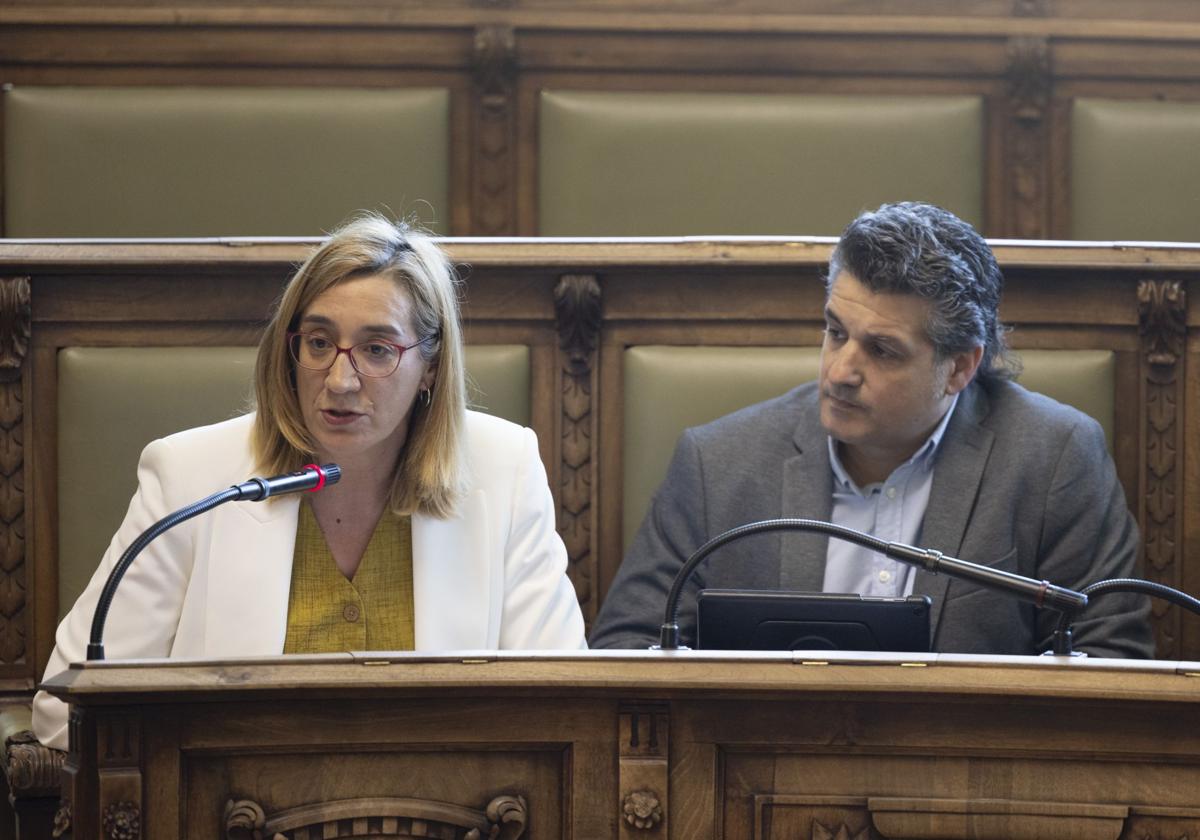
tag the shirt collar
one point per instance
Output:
(922, 457)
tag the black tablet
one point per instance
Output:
(736, 619)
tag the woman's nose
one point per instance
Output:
(341, 376)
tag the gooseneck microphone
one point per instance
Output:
(1040, 592)
(311, 477)
(1064, 634)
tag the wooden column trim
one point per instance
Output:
(14, 345)
(644, 751)
(494, 155)
(1162, 328)
(1027, 147)
(577, 307)
(119, 775)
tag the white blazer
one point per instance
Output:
(493, 576)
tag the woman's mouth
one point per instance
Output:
(339, 416)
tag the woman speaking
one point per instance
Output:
(439, 536)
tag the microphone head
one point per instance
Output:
(332, 472)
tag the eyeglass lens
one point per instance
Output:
(371, 358)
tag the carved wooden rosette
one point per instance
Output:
(1163, 329)
(577, 306)
(1027, 140)
(644, 748)
(493, 200)
(504, 818)
(14, 344)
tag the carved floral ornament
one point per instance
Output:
(642, 809)
(62, 820)
(122, 821)
(14, 326)
(1162, 319)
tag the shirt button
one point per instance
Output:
(885, 576)
(350, 612)
(891, 492)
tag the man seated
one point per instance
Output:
(914, 433)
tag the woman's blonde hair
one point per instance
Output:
(429, 475)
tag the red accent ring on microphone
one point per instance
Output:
(1042, 590)
(320, 472)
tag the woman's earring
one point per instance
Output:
(425, 397)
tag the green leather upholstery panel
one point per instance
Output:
(624, 164)
(668, 389)
(112, 401)
(498, 380)
(220, 161)
(1135, 170)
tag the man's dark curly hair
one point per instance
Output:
(915, 248)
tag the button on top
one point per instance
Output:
(350, 612)
(891, 492)
(885, 576)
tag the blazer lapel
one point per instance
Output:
(249, 570)
(958, 471)
(456, 601)
(806, 494)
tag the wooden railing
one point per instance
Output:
(577, 306)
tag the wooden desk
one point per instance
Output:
(690, 744)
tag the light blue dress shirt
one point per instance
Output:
(891, 510)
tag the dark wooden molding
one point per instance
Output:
(578, 311)
(1162, 310)
(494, 152)
(1026, 139)
(15, 330)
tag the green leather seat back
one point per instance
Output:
(626, 164)
(112, 401)
(1135, 170)
(147, 162)
(668, 389)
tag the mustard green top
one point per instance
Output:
(327, 613)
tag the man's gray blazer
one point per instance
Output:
(1021, 483)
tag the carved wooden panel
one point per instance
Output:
(812, 818)
(14, 344)
(493, 190)
(1161, 320)
(503, 818)
(577, 304)
(1026, 140)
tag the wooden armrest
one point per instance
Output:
(33, 770)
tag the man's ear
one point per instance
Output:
(963, 369)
